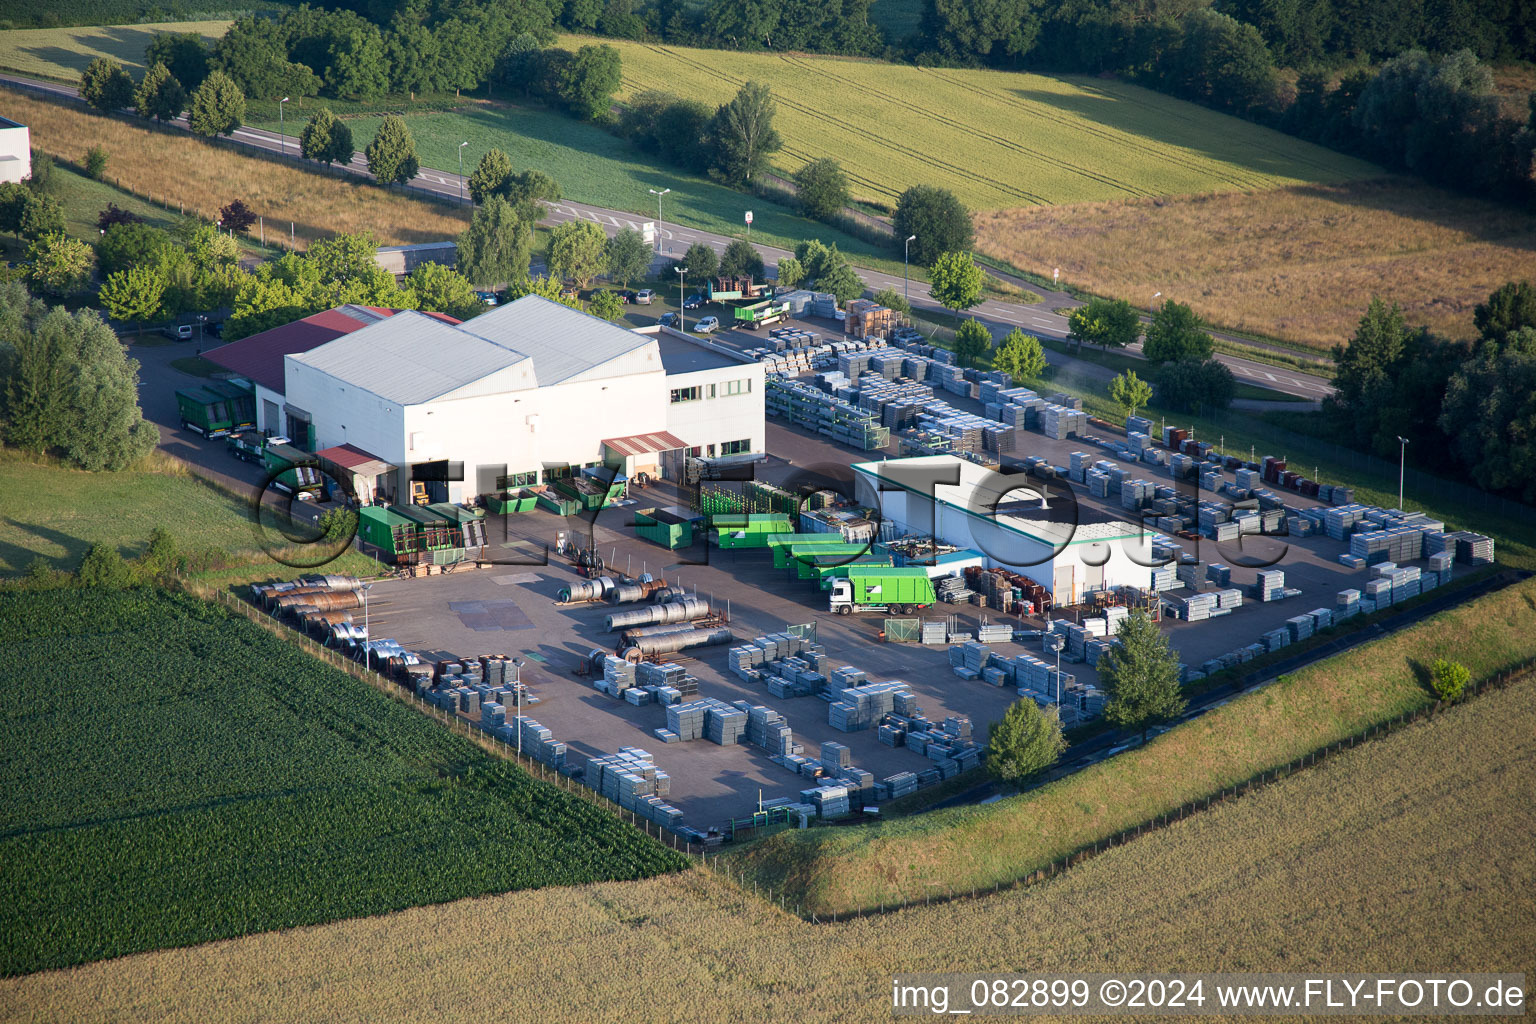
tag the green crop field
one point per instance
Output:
(998, 139)
(62, 53)
(174, 774)
(594, 167)
(837, 870)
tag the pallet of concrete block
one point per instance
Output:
(1301, 627)
(1473, 548)
(1270, 585)
(767, 729)
(860, 707)
(830, 801)
(967, 660)
(1191, 607)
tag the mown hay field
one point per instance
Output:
(1298, 263)
(63, 53)
(183, 170)
(175, 773)
(1408, 854)
(997, 139)
(837, 870)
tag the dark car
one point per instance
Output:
(625, 295)
(669, 320)
(694, 301)
(215, 328)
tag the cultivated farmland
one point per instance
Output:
(176, 774)
(1297, 263)
(208, 176)
(998, 139)
(1411, 853)
(850, 869)
(62, 53)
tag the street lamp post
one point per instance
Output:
(461, 170)
(1057, 643)
(658, 196)
(682, 316)
(367, 637)
(906, 248)
(1152, 306)
(1402, 461)
(517, 689)
(281, 138)
(202, 318)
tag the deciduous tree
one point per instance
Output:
(1177, 333)
(955, 281)
(133, 295)
(440, 289)
(702, 263)
(392, 153)
(972, 341)
(1141, 674)
(742, 136)
(105, 85)
(1025, 742)
(1021, 357)
(183, 53)
(589, 80)
(941, 223)
(326, 138)
(629, 256)
(1195, 385)
(1130, 392)
(578, 251)
(1109, 323)
(821, 188)
(60, 264)
(496, 248)
(160, 95)
(606, 305)
(741, 259)
(491, 177)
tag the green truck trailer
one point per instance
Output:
(760, 314)
(216, 409)
(295, 471)
(867, 588)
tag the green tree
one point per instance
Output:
(96, 162)
(841, 280)
(1489, 414)
(104, 568)
(702, 263)
(941, 223)
(491, 176)
(358, 68)
(1449, 679)
(326, 138)
(1177, 333)
(218, 106)
(548, 287)
(589, 80)
(41, 215)
(160, 96)
(60, 264)
(1141, 675)
(955, 281)
(105, 85)
(1024, 743)
(742, 136)
(440, 289)
(160, 561)
(741, 259)
(577, 251)
(890, 298)
(790, 272)
(43, 180)
(1104, 322)
(496, 248)
(392, 153)
(1365, 369)
(532, 186)
(183, 53)
(821, 189)
(1129, 391)
(1508, 310)
(629, 257)
(972, 341)
(254, 53)
(1198, 386)
(1021, 357)
(606, 305)
(134, 295)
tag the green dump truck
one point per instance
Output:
(760, 314)
(216, 409)
(879, 589)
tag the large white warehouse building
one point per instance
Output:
(519, 395)
(1009, 518)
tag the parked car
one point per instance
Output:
(569, 290)
(181, 332)
(670, 320)
(694, 301)
(489, 298)
(624, 294)
(708, 325)
(215, 328)
(645, 296)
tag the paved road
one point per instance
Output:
(1047, 318)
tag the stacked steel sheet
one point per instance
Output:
(1270, 585)
(1301, 627)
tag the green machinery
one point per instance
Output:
(750, 530)
(672, 528)
(439, 534)
(865, 588)
(216, 408)
(295, 471)
(760, 314)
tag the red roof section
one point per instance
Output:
(260, 357)
(349, 456)
(645, 444)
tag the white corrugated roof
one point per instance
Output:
(564, 343)
(410, 358)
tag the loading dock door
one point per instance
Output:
(1062, 585)
(1093, 578)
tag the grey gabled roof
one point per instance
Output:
(410, 358)
(564, 343)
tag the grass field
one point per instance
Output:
(208, 176)
(998, 139)
(1299, 264)
(1406, 854)
(221, 782)
(57, 513)
(836, 870)
(62, 53)
(82, 199)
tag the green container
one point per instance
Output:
(671, 528)
(825, 574)
(507, 502)
(749, 530)
(553, 501)
(216, 408)
(782, 543)
(807, 561)
(877, 587)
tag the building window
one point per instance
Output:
(685, 395)
(517, 480)
(711, 391)
(736, 387)
(736, 447)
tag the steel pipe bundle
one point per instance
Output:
(331, 581)
(624, 593)
(675, 611)
(588, 590)
(325, 600)
(667, 643)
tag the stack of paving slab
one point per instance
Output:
(631, 779)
